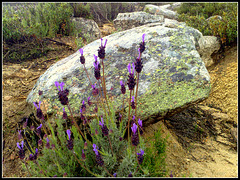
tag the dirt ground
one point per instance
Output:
(197, 159)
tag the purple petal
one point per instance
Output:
(81, 51)
(57, 84)
(133, 117)
(95, 57)
(105, 43)
(19, 131)
(63, 109)
(139, 55)
(140, 122)
(89, 98)
(142, 152)
(101, 123)
(133, 67)
(132, 99)
(94, 86)
(69, 134)
(81, 110)
(143, 36)
(83, 102)
(129, 68)
(35, 105)
(22, 144)
(18, 145)
(134, 128)
(61, 85)
(36, 151)
(39, 104)
(39, 127)
(101, 41)
(47, 140)
(121, 83)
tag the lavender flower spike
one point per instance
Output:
(69, 134)
(105, 43)
(19, 145)
(134, 128)
(95, 57)
(133, 67)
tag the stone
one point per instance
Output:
(158, 10)
(222, 116)
(207, 46)
(173, 75)
(7, 98)
(174, 6)
(86, 28)
(172, 23)
(214, 18)
(126, 21)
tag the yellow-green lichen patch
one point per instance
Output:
(162, 97)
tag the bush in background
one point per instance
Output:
(196, 15)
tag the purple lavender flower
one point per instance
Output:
(131, 80)
(133, 103)
(36, 154)
(85, 145)
(40, 142)
(38, 130)
(115, 175)
(134, 138)
(70, 141)
(89, 101)
(64, 114)
(120, 138)
(95, 90)
(138, 63)
(62, 94)
(47, 144)
(171, 175)
(82, 59)
(99, 159)
(120, 118)
(140, 124)
(140, 156)
(123, 89)
(97, 69)
(25, 123)
(83, 155)
(130, 175)
(20, 134)
(39, 111)
(142, 45)
(101, 50)
(104, 127)
(40, 92)
(83, 107)
(21, 150)
(95, 149)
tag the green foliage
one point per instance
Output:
(82, 10)
(41, 20)
(154, 160)
(196, 15)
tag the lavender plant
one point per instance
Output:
(96, 146)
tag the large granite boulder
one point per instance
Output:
(86, 28)
(161, 10)
(126, 21)
(173, 75)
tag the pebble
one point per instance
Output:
(7, 98)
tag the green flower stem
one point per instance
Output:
(104, 87)
(129, 114)
(107, 171)
(27, 168)
(83, 165)
(110, 144)
(76, 123)
(87, 74)
(136, 95)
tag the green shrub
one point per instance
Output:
(41, 20)
(196, 15)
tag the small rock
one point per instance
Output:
(219, 115)
(234, 133)
(7, 98)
